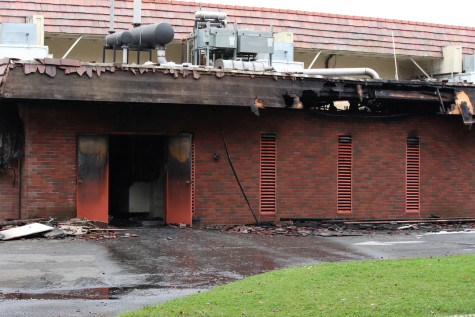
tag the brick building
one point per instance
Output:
(101, 147)
(109, 140)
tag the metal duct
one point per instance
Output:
(343, 72)
(111, 27)
(152, 35)
(161, 56)
(210, 15)
(137, 21)
(255, 66)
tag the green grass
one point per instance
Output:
(408, 287)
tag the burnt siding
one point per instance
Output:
(306, 165)
(9, 192)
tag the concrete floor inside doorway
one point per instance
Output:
(74, 277)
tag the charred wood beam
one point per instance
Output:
(163, 86)
(431, 96)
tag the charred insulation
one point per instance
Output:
(371, 100)
(11, 135)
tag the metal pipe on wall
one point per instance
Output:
(19, 188)
(314, 60)
(111, 26)
(72, 46)
(210, 15)
(237, 178)
(137, 13)
(343, 72)
(161, 59)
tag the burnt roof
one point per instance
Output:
(65, 79)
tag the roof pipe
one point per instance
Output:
(343, 72)
(210, 15)
(111, 26)
(137, 13)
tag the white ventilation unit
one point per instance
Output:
(468, 64)
(468, 75)
(452, 61)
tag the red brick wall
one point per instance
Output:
(306, 159)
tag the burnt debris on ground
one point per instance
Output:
(82, 228)
(335, 228)
(50, 228)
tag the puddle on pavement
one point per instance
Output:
(206, 259)
(100, 293)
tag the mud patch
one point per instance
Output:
(99, 293)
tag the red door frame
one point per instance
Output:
(178, 201)
(93, 179)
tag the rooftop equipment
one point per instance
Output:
(249, 50)
(143, 38)
(211, 39)
(468, 74)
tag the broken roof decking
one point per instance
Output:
(312, 30)
(55, 79)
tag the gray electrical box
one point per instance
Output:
(201, 38)
(18, 33)
(250, 41)
(224, 38)
(211, 40)
(216, 38)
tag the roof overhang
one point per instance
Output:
(54, 79)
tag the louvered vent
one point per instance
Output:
(193, 175)
(344, 173)
(413, 175)
(268, 174)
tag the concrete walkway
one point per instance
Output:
(73, 277)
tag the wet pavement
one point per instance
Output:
(74, 277)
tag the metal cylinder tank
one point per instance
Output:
(152, 35)
(118, 39)
(210, 15)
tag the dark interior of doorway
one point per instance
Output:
(136, 178)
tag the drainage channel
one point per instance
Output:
(100, 293)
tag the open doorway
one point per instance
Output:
(137, 177)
